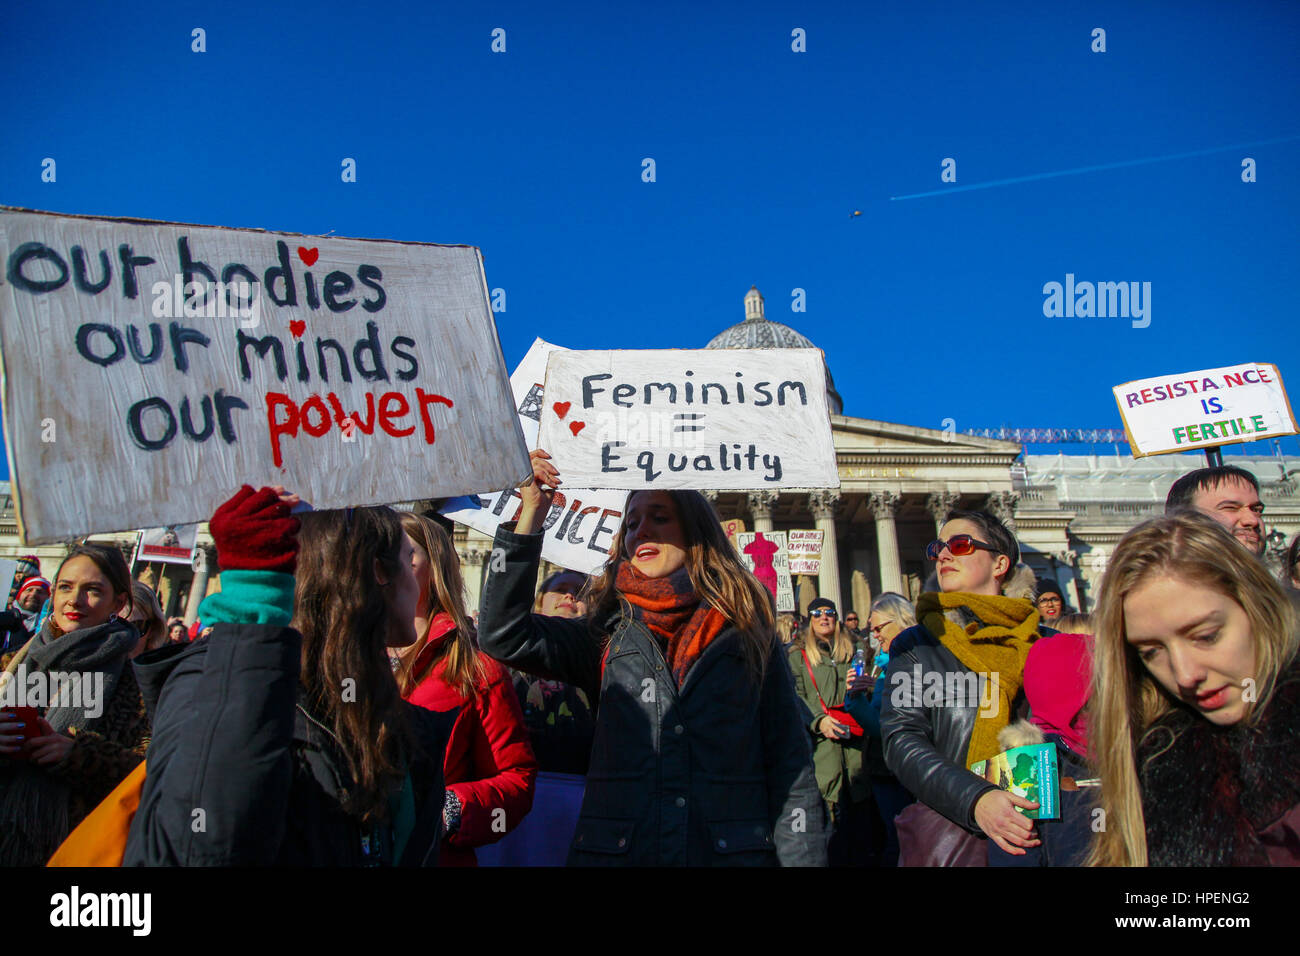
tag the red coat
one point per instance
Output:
(489, 764)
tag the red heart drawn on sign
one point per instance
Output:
(576, 427)
(297, 327)
(561, 408)
(308, 256)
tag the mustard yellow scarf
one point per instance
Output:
(1000, 646)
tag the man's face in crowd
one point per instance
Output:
(1236, 506)
(33, 599)
(851, 621)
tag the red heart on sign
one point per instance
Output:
(576, 427)
(297, 327)
(308, 256)
(561, 408)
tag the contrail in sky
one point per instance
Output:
(1092, 169)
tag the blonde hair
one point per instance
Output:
(464, 669)
(145, 600)
(1073, 624)
(786, 627)
(841, 644)
(1126, 700)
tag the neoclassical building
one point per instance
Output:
(897, 482)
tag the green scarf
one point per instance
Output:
(997, 643)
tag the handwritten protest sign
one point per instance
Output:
(152, 368)
(764, 553)
(732, 527)
(805, 552)
(727, 419)
(1219, 406)
(173, 545)
(581, 523)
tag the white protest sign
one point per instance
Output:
(727, 419)
(805, 551)
(151, 368)
(173, 545)
(764, 553)
(8, 570)
(1219, 406)
(581, 523)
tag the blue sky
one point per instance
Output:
(928, 308)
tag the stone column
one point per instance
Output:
(1070, 560)
(473, 559)
(884, 505)
(822, 504)
(939, 503)
(204, 561)
(760, 509)
(1002, 504)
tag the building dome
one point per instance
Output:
(759, 332)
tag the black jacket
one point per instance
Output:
(926, 739)
(239, 774)
(718, 772)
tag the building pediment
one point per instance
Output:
(874, 438)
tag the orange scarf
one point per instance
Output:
(673, 611)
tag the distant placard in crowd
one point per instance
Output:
(581, 523)
(765, 554)
(174, 545)
(1194, 410)
(805, 551)
(732, 527)
(152, 368)
(726, 419)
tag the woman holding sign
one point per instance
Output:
(701, 756)
(282, 738)
(1195, 718)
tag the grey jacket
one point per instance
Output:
(716, 773)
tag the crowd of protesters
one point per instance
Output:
(337, 704)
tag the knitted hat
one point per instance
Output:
(1049, 587)
(35, 581)
(820, 603)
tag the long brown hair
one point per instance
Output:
(464, 669)
(344, 616)
(716, 574)
(1126, 700)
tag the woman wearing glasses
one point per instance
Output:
(821, 660)
(953, 683)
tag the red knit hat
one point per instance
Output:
(35, 581)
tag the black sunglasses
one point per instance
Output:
(959, 544)
(822, 611)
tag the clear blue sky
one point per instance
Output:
(928, 308)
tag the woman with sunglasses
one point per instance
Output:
(954, 682)
(1195, 713)
(821, 660)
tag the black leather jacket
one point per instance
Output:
(718, 772)
(925, 746)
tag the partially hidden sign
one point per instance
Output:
(726, 419)
(764, 553)
(151, 368)
(805, 551)
(580, 526)
(1195, 410)
(167, 545)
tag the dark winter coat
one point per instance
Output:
(1224, 796)
(718, 772)
(239, 774)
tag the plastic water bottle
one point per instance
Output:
(859, 663)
